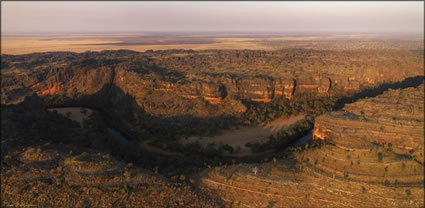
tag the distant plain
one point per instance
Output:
(23, 44)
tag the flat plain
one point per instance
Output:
(23, 44)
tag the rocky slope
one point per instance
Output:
(48, 176)
(53, 176)
(41, 168)
(394, 119)
(370, 154)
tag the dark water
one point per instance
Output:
(80, 114)
(118, 136)
(305, 139)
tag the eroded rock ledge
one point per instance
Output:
(370, 154)
(394, 119)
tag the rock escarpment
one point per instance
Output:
(205, 77)
(370, 154)
(182, 91)
(286, 185)
(394, 119)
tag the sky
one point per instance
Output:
(142, 16)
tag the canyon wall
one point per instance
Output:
(395, 118)
(369, 154)
(136, 85)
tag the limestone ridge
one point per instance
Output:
(195, 77)
(394, 118)
(257, 89)
(369, 154)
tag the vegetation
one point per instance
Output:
(380, 156)
(284, 136)
(162, 96)
(309, 104)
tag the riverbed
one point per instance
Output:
(236, 138)
(78, 114)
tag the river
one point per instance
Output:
(237, 138)
(79, 114)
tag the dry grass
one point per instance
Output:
(30, 45)
(239, 137)
(143, 42)
(24, 45)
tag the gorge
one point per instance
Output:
(361, 108)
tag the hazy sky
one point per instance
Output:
(38, 17)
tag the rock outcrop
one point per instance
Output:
(160, 90)
(143, 74)
(370, 154)
(394, 119)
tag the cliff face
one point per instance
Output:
(196, 85)
(395, 118)
(372, 157)
(213, 76)
(206, 95)
(91, 80)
